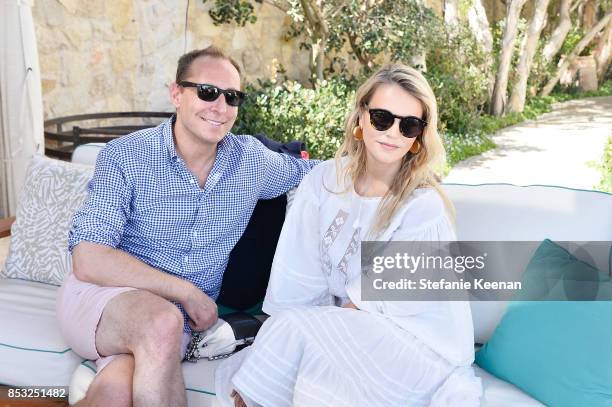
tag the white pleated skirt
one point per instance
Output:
(319, 356)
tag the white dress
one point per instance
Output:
(311, 352)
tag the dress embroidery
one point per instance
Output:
(329, 237)
(350, 250)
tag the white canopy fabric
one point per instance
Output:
(21, 112)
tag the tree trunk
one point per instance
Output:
(555, 43)
(517, 100)
(451, 12)
(589, 14)
(479, 24)
(318, 32)
(498, 99)
(603, 53)
(588, 37)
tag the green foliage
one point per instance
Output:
(461, 146)
(572, 39)
(606, 168)
(458, 72)
(562, 93)
(241, 12)
(289, 111)
(399, 29)
(540, 71)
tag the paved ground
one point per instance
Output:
(554, 149)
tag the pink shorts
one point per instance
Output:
(79, 308)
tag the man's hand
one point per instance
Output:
(200, 308)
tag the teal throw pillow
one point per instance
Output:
(559, 352)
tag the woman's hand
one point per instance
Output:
(350, 305)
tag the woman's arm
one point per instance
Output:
(296, 278)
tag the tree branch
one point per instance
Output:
(282, 6)
(588, 37)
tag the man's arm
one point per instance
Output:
(107, 266)
(283, 172)
(98, 229)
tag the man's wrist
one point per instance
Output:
(182, 290)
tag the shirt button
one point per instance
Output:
(192, 181)
(185, 259)
(195, 234)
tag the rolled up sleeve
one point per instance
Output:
(104, 213)
(283, 172)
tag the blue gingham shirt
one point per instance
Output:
(143, 200)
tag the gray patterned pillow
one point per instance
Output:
(52, 192)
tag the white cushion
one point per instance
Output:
(4, 248)
(53, 191)
(503, 212)
(498, 393)
(32, 350)
(199, 382)
(87, 153)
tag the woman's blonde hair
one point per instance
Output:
(416, 170)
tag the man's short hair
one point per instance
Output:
(185, 61)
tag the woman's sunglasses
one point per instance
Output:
(409, 126)
(210, 93)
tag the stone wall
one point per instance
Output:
(103, 55)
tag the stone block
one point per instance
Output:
(124, 56)
(70, 5)
(48, 85)
(79, 33)
(121, 14)
(52, 13)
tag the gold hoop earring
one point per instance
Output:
(416, 147)
(358, 133)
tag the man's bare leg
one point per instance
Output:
(150, 328)
(112, 386)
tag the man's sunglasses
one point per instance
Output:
(409, 126)
(210, 93)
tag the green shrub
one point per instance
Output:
(289, 111)
(461, 146)
(606, 168)
(457, 70)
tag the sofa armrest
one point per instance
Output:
(5, 226)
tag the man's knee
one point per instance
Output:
(163, 330)
(139, 320)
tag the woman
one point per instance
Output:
(323, 345)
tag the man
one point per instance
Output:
(165, 208)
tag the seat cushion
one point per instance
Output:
(32, 350)
(498, 393)
(199, 382)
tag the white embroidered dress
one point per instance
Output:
(313, 353)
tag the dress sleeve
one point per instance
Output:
(296, 278)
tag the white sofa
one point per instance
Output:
(32, 351)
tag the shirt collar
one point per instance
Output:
(168, 140)
(167, 137)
